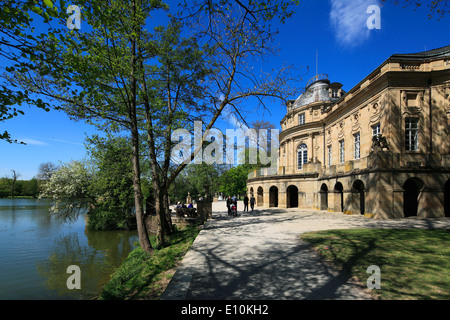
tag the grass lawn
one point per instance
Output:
(143, 276)
(414, 263)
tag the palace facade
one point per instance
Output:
(381, 149)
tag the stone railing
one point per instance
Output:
(379, 159)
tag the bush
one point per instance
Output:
(104, 220)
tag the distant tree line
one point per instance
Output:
(21, 188)
(12, 187)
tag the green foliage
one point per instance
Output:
(117, 75)
(234, 181)
(30, 188)
(100, 219)
(139, 273)
(22, 188)
(111, 157)
(17, 44)
(194, 179)
(5, 187)
(103, 186)
(71, 190)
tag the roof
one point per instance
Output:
(425, 55)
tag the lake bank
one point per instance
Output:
(145, 277)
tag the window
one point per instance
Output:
(376, 130)
(335, 93)
(301, 118)
(412, 134)
(330, 156)
(302, 156)
(341, 151)
(357, 146)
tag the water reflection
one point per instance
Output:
(36, 250)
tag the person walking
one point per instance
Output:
(252, 202)
(229, 201)
(234, 203)
(246, 202)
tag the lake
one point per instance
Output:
(36, 249)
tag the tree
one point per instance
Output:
(232, 36)
(15, 176)
(17, 44)
(234, 181)
(264, 149)
(124, 78)
(30, 188)
(46, 170)
(5, 187)
(194, 179)
(71, 190)
(103, 68)
(113, 183)
(101, 186)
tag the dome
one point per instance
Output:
(317, 89)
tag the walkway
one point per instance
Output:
(259, 256)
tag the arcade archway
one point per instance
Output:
(358, 196)
(339, 197)
(273, 197)
(323, 197)
(411, 192)
(292, 197)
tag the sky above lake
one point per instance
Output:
(334, 30)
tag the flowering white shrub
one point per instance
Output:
(70, 189)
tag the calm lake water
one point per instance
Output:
(36, 250)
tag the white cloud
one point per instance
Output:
(231, 117)
(69, 142)
(33, 142)
(349, 20)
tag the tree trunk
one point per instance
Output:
(170, 228)
(161, 220)
(12, 188)
(144, 240)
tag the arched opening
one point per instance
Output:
(358, 196)
(251, 191)
(323, 197)
(339, 197)
(447, 198)
(292, 197)
(302, 156)
(260, 197)
(411, 191)
(273, 197)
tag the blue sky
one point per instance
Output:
(348, 52)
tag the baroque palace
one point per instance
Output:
(381, 149)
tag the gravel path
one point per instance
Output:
(258, 256)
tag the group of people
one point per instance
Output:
(232, 204)
(182, 205)
(182, 210)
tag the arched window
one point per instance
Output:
(302, 156)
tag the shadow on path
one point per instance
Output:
(258, 256)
